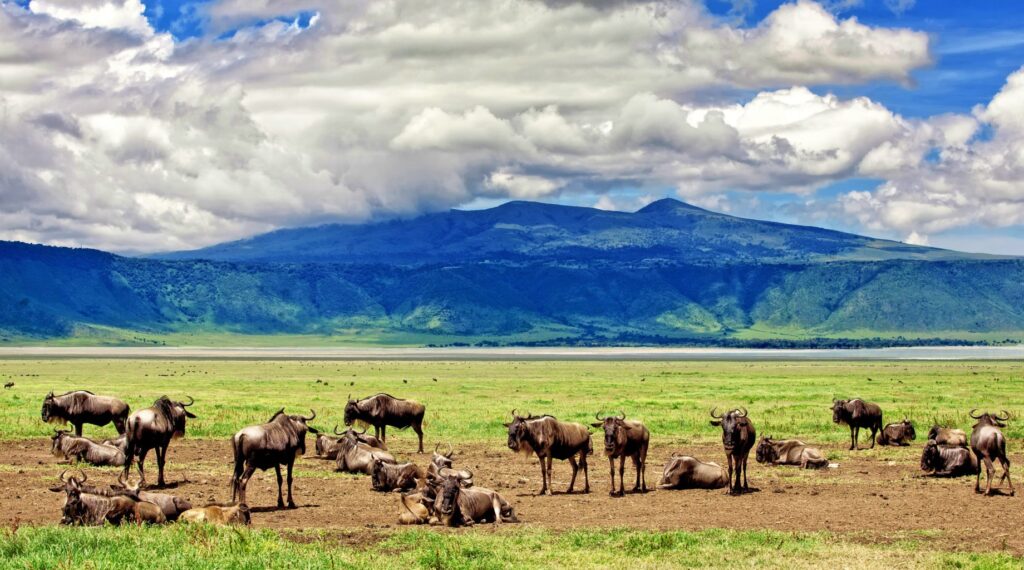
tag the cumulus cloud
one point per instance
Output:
(968, 180)
(116, 136)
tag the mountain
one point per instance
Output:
(667, 230)
(520, 273)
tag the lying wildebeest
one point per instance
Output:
(989, 444)
(83, 507)
(899, 433)
(857, 414)
(457, 505)
(415, 508)
(154, 428)
(170, 506)
(945, 461)
(950, 437)
(218, 514)
(789, 452)
(738, 436)
(323, 445)
(273, 444)
(76, 449)
(387, 477)
(625, 438)
(83, 407)
(551, 439)
(362, 437)
(383, 410)
(686, 472)
(357, 457)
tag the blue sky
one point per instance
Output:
(175, 124)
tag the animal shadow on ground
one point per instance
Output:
(275, 508)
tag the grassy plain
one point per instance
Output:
(466, 403)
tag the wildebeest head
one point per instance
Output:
(378, 477)
(517, 432)
(48, 408)
(351, 411)
(75, 510)
(300, 423)
(988, 419)
(839, 411)
(57, 439)
(766, 452)
(448, 497)
(442, 460)
(615, 430)
(908, 429)
(733, 424)
(931, 459)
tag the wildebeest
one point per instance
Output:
(857, 414)
(551, 439)
(84, 505)
(82, 449)
(83, 407)
(789, 452)
(899, 433)
(945, 461)
(120, 442)
(738, 435)
(387, 477)
(218, 514)
(989, 444)
(383, 410)
(273, 444)
(414, 509)
(362, 437)
(686, 472)
(950, 437)
(625, 438)
(154, 428)
(170, 506)
(357, 457)
(457, 505)
(8, 385)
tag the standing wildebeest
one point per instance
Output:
(386, 476)
(623, 439)
(383, 410)
(82, 449)
(789, 452)
(458, 505)
(82, 407)
(551, 439)
(273, 444)
(738, 437)
(988, 443)
(950, 437)
(857, 414)
(899, 433)
(154, 428)
(686, 472)
(946, 461)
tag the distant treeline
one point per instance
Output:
(629, 340)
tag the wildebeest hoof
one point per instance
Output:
(292, 506)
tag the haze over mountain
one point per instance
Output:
(667, 230)
(523, 272)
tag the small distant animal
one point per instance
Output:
(899, 433)
(11, 385)
(218, 514)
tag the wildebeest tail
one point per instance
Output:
(236, 449)
(129, 447)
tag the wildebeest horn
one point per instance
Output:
(437, 446)
(50, 395)
(465, 477)
(310, 418)
(598, 417)
(744, 414)
(336, 432)
(1004, 417)
(451, 451)
(62, 476)
(623, 414)
(514, 413)
(191, 401)
(364, 431)
(717, 417)
(971, 413)
(85, 477)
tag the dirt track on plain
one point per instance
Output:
(875, 496)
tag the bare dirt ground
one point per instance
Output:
(873, 496)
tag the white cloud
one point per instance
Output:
(115, 136)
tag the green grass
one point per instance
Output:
(470, 400)
(200, 547)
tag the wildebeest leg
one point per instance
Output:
(989, 470)
(496, 505)
(161, 453)
(622, 471)
(291, 503)
(141, 464)
(280, 500)
(384, 434)
(545, 471)
(575, 470)
(418, 428)
(874, 429)
(243, 482)
(731, 487)
(854, 436)
(977, 479)
(745, 486)
(1005, 461)
(643, 468)
(78, 429)
(637, 466)
(611, 469)
(586, 472)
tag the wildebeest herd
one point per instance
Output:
(439, 493)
